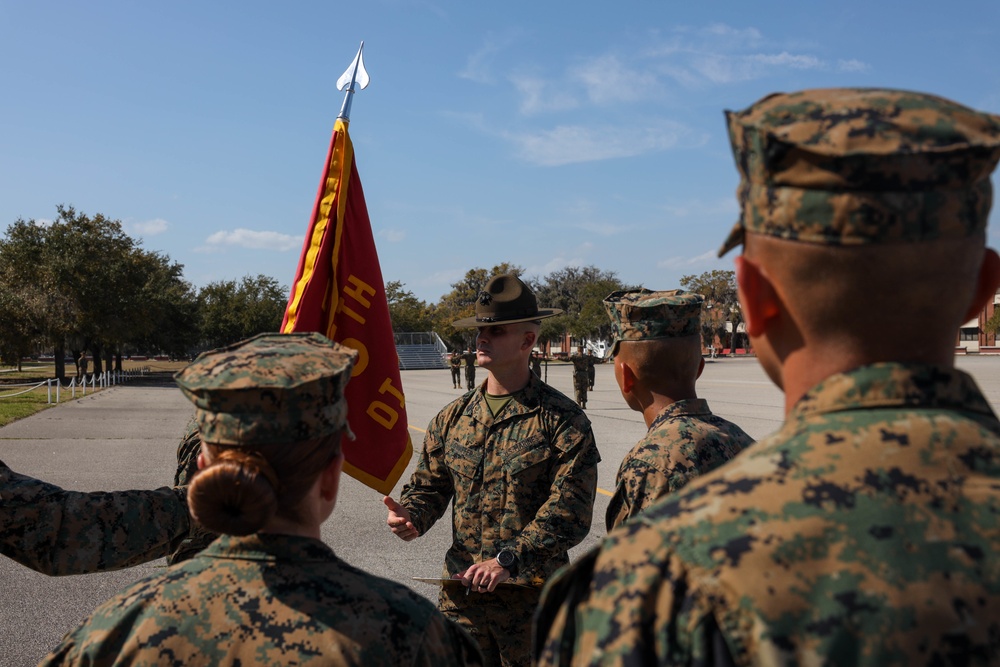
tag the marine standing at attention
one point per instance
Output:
(271, 413)
(517, 463)
(470, 368)
(455, 362)
(656, 350)
(865, 530)
(581, 379)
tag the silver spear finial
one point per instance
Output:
(355, 78)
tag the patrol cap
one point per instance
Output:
(505, 300)
(642, 314)
(853, 166)
(269, 389)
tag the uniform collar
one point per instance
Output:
(687, 407)
(523, 401)
(894, 385)
(269, 547)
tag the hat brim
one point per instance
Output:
(474, 322)
(736, 237)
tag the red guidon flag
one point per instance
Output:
(338, 291)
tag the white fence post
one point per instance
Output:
(48, 391)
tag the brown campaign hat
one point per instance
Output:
(505, 300)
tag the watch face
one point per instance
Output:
(505, 558)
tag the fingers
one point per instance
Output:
(399, 520)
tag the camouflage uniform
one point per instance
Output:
(60, 532)
(470, 369)
(198, 537)
(875, 502)
(456, 370)
(684, 441)
(863, 532)
(525, 480)
(268, 599)
(581, 381)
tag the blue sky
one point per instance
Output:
(547, 134)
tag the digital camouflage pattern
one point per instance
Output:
(59, 532)
(866, 531)
(499, 621)
(269, 389)
(198, 537)
(643, 314)
(267, 600)
(582, 363)
(684, 441)
(525, 481)
(470, 369)
(856, 165)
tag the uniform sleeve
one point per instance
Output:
(430, 489)
(639, 486)
(59, 532)
(563, 521)
(446, 644)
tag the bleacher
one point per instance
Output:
(420, 350)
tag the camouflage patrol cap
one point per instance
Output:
(856, 166)
(270, 389)
(642, 314)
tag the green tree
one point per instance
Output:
(580, 292)
(407, 312)
(166, 317)
(229, 311)
(992, 325)
(721, 305)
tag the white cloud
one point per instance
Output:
(393, 235)
(149, 227)
(609, 81)
(568, 144)
(538, 95)
(479, 65)
(686, 262)
(254, 240)
(722, 54)
(852, 66)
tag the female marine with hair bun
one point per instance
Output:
(271, 413)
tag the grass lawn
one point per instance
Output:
(22, 405)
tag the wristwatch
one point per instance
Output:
(508, 561)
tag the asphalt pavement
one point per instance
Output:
(126, 438)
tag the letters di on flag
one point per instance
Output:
(339, 292)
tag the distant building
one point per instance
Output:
(973, 337)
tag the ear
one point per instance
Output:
(986, 283)
(202, 463)
(528, 341)
(628, 376)
(758, 297)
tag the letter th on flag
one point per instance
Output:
(338, 291)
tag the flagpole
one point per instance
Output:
(356, 75)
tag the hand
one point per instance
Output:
(484, 577)
(399, 520)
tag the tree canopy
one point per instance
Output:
(81, 283)
(721, 305)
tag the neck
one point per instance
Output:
(501, 383)
(660, 402)
(806, 367)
